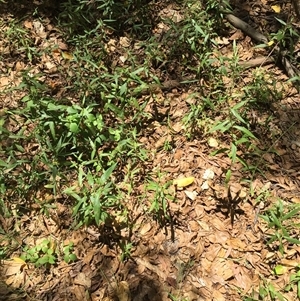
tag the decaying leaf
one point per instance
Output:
(123, 292)
(145, 228)
(67, 55)
(12, 267)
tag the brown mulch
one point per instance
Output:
(212, 244)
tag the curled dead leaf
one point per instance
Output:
(124, 42)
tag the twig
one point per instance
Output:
(257, 36)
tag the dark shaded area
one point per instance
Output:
(78, 17)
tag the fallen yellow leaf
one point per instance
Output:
(19, 260)
(184, 182)
(276, 8)
(67, 55)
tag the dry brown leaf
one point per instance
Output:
(125, 42)
(79, 292)
(289, 262)
(145, 228)
(28, 24)
(236, 243)
(123, 292)
(9, 268)
(218, 296)
(82, 279)
(151, 267)
(242, 278)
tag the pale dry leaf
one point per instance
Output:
(199, 249)
(83, 280)
(123, 292)
(208, 174)
(123, 58)
(194, 226)
(212, 142)
(19, 66)
(13, 267)
(222, 41)
(39, 29)
(191, 194)
(124, 42)
(177, 127)
(204, 225)
(145, 228)
(205, 185)
(16, 280)
(4, 81)
(137, 46)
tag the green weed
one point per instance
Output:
(160, 195)
(42, 254)
(282, 227)
(45, 253)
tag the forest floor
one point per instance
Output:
(211, 174)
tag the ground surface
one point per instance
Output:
(210, 244)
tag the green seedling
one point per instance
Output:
(161, 194)
(126, 251)
(280, 221)
(68, 250)
(42, 254)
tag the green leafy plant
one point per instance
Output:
(68, 252)
(42, 254)
(95, 198)
(160, 194)
(126, 251)
(281, 224)
(294, 283)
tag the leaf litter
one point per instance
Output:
(208, 250)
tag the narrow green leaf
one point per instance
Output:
(291, 214)
(292, 240)
(236, 114)
(244, 130)
(107, 173)
(275, 219)
(232, 153)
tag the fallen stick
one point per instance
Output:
(291, 71)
